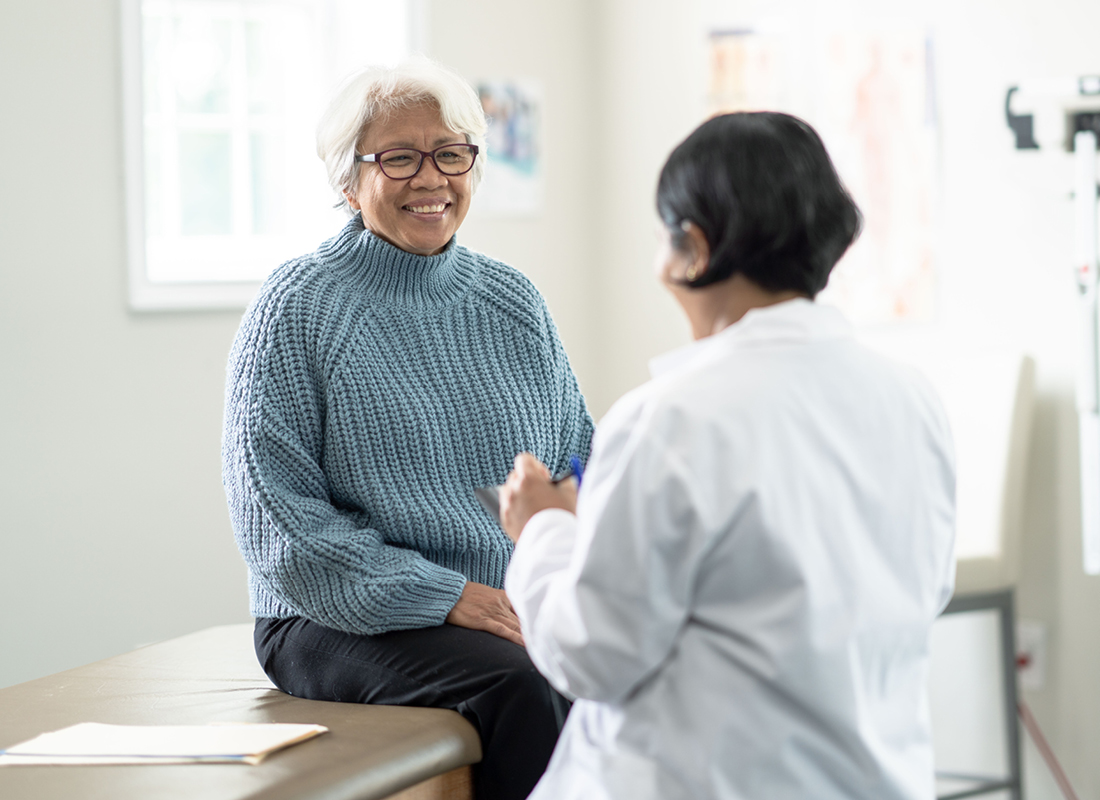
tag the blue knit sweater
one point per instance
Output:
(369, 392)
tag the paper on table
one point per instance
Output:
(96, 743)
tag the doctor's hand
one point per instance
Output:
(483, 608)
(530, 490)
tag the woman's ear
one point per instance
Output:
(351, 200)
(697, 250)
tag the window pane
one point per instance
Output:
(267, 184)
(229, 95)
(201, 65)
(153, 59)
(265, 75)
(154, 183)
(205, 181)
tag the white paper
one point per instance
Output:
(97, 743)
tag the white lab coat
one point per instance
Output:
(742, 604)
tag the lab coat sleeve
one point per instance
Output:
(603, 595)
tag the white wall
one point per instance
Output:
(494, 39)
(114, 529)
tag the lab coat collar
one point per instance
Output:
(792, 321)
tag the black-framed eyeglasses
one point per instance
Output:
(401, 163)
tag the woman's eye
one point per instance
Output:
(397, 160)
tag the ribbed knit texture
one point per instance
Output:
(369, 391)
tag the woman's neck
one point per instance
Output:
(386, 273)
(711, 309)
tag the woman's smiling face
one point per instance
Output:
(422, 213)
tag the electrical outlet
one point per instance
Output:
(1031, 653)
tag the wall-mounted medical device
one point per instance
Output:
(1066, 114)
(1049, 113)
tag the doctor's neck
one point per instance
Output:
(713, 308)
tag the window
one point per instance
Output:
(221, 98)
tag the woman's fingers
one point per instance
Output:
(527, 466)
(509, 633)
(502, 623)
(484, 608)
(528, 491)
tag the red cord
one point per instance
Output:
(1056, 770)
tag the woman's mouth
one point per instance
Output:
(426, 208)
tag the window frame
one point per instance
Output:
(143, 293)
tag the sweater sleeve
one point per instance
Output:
(317, 559)
(575, 426)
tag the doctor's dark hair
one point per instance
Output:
(767, 198)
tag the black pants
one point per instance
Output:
(488, 680)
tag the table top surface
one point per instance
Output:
(212, 676)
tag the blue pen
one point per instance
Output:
(577, 467)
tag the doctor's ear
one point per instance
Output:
(692, 242)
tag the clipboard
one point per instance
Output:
(489, 496)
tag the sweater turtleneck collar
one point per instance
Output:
(393, 275)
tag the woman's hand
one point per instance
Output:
(530, 490)
(483, 608)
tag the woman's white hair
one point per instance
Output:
(374, 93)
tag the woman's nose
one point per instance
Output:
(429, 176)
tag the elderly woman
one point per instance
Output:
(743, 598)
(373, 385)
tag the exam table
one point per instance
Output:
(370, 752)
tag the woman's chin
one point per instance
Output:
(428, 237)
(427, 248)
(421, 245)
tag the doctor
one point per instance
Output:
(741, 599)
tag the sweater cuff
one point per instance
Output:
(443, 589)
